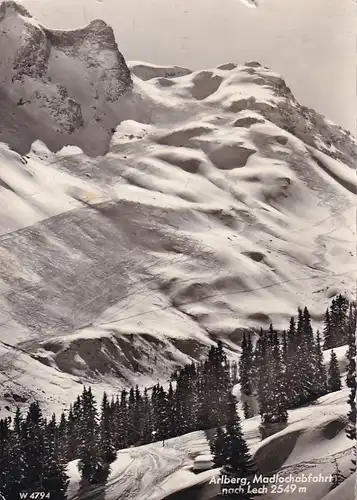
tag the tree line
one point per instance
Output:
(34, 450)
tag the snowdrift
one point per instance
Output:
(310, 444)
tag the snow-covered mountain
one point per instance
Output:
(310, 42)
(218, 203)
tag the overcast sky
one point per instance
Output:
(310, 42)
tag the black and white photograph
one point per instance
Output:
(178, 249)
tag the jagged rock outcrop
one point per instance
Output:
(61, 87)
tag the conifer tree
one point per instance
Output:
(197, 397)
(219, 383)
(193, 396)
(281, 388)
(351, 384)
(338, 319)
(33, 446)
(246, 365)
(299, 354)
(292, 371)
(238, 462)
(106, 436)
(257, 358)
(336, 322)
(284, 367)
(334, 376)
(300, 324)
(307, 330)
(137, 415)
(134, 432)
(304, 358)
(171, 412)
(203, 393)
(275, 397)
(6, 462)
(329, 340)
(217, 446)
(72, 441)
(122, 420)
(147, 422)
(307, 359)
(261, 367)
(250, 361)
(55, 479)
(320, 371)
(351, 320)
(162, 415)
(63, 438)
(17, 458)
(114, 408)
(144, 415)
(74, 429)
(91, 464)
(284, 350)
(259, 355)
(155, 412)
(182, 403)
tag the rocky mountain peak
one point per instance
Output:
(58, 86)
(10, 8)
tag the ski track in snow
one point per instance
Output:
(151, 472)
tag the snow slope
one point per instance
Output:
(345, 491)
(314, 436)
(221, 204)
(313, 38)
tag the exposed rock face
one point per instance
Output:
(56, 86)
